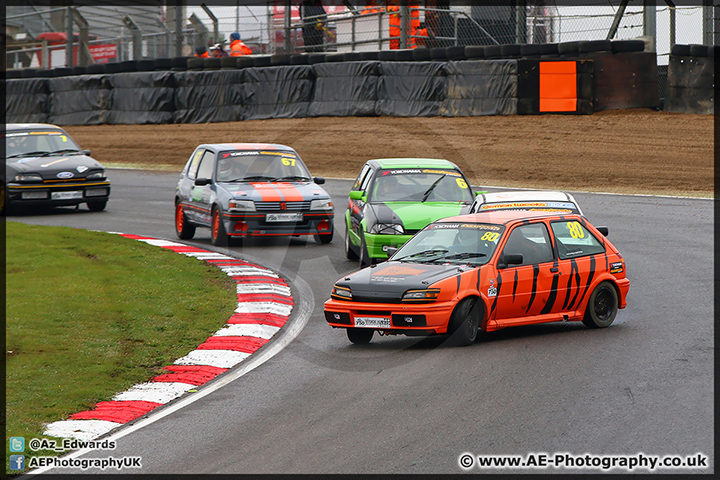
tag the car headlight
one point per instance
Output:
(421, 296)
(387, 229)
(28, 177)
(241, 206)
(321, 205)
(341, 293)
(96, 175)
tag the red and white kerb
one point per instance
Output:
(264, 305)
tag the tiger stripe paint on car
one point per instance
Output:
(241, 190)
(483, 272)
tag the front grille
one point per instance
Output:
(303, 206)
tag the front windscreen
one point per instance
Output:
(461, 243)
(260, 166)
(420, 185)
(39, 143)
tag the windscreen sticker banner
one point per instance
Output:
(410, 171)
(245, 153)
(454, 226)
(526, 205)
(23, 134)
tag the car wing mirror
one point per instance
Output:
(202, 181)
(86, 152)
(356, 195)
(603, 230)
(510, 259)
(391, 251)
(319, 180)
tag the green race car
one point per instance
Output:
(394, 198)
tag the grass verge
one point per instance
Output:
(90, 314)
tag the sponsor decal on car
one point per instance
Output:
(82, 168)
(616, 267)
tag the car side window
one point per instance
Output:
(361, 177)
(206, 165)
(366, 181)
(194, 163)
(574, 240)
(532, 241)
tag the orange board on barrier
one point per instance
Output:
(558, 86)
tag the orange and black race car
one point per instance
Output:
(483, 272)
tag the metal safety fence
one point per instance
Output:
(44, 37)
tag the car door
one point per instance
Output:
(202, 194)
(357, 207)
(186, 184)
(527, 293)
(581, 258)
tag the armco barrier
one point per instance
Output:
(607, 75)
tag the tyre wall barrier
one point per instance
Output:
(278, 92)
(609, 75)
(209, 96)
(691, 80)
(344, 89)
(26, 100)
(481, 87)
(411, 89)
(80, 100)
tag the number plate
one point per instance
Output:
(372, 322)
(284, 217)
(66, 195)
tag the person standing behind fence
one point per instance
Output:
(237, 47)
(202, 52)
(313, 17)
(217, 51)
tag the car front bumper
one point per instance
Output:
(257, 225)
(377, 244)
(407, 319)
(59, 194)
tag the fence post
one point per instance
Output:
(286, 27)
(650, 22)
(84, 56)
(44, 55)
(520, 22)
(708, 22)
(404, 14)
(69, 60)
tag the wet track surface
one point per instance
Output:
(414, 405)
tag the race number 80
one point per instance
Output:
(490, 236)
(576, 230)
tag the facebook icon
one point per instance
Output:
(17, 462)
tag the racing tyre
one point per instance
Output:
(360, 336)
(217, 229)
(365, 259)
(464, 323)
(602, 306)
(324, 239)
(97, 206)
(349, 252)
(182, 228)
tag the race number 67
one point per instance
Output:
(288, 161)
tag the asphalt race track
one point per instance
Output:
(415, 405)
